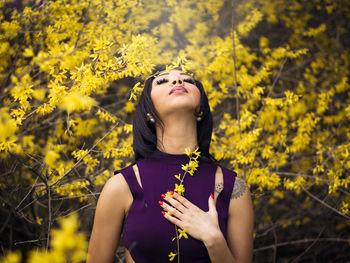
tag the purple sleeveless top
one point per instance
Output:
(146, 233)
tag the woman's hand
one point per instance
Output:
(199, 224)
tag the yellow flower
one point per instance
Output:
(180, 189)
(129, 106)
(171, 256)
(12, 257)
(75, 101)
(184, 167)
(188, 152)
(178, 176)
(39, 220)
(182, 233)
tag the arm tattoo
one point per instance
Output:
(219, 187)
(238, 189)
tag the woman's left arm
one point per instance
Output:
(239, 229)
(240, 222)
(205, 227)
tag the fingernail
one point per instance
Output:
(163, 213)
(160, 202)
(172, 192)
(163, 195)
(212, 196)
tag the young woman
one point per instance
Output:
(216, 210)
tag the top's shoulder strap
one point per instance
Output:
(130, 178)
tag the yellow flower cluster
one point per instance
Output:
(66, 245)
(8, 128)
(188, 168)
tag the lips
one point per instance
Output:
(178, 89)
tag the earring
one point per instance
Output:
(150, 118)
(199, 116)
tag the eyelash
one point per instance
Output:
(161, 81)
(189, 80)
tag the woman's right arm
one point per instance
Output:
(114, 201)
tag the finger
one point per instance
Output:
(211, 204)
(173, 220)
(170, 209)
(175, 203)
(183, 200)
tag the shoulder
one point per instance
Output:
(115, 190)
(240, 223)
(239, 187)
(240, 198)
(115, 185)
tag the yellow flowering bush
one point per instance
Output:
(277, 77)
(67, 245)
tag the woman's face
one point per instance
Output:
(174, 91)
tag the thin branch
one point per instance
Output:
(6, 222)
(48, 189)
(29, 241)
(325, 204)
(275, 245)
(309, 247)
(76, 196)
(75, 165)
(76, 211)
(178, 245)
(235, 72)
(305, 240)
(269, 93)
(25, 197)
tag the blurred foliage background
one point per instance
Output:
(277, 77)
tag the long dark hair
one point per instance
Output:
(144, 132)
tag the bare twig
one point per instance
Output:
(25, 197)
(76, 211)
(325, 204)
(235, 72)
(75, 165)
(275, 245)
(178, 245)
(28, 241)
(48, 189)
(305, 240)
(76, 196)
(6, 222)
(309, 247)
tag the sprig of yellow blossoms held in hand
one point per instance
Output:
(188, 168)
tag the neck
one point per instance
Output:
(180, 132)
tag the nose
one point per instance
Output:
(177, 80)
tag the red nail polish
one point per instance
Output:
(163, 195)
(160, 202)
(172, 192)
(212, 196)
(163, 213)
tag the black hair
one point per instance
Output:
(144, 132)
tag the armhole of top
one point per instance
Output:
(132, 178)
(137, 174)
(219, 182)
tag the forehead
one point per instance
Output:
(172, 72)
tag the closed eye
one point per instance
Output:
(161, 81)
(189, 80)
